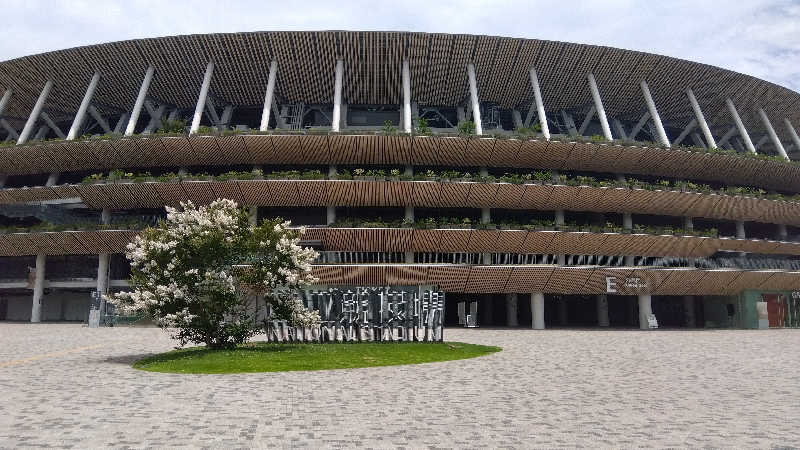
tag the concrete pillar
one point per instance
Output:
(35, 113)
(52, 179)
(701, 119)
(563, 318)
(137, 106)
(337, 96)
(772, 135)
(602, 310)
(331, 214)
(511, 310)
(559, 220)
(486, 215)
(645, 309)
(102, 273)
(651, 106)
(201, 98)
(252, 215)
(473, 95)
(537, 311)
(38, 288)
(268, 97)
(406, 97)
(598, 106)
(688, 311)
(783, 234)
(740, 234)
(537, 95)
(740, 126)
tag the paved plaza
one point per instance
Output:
(66, 385)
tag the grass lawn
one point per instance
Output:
(268, 357)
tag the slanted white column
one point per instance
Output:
(537, 94)
(602, 310)
(772, 135)
(511, 310)
(645, 309)
(337, 96)
(537, 311)
(406, 97)
(77, 123)
(52, 179)
(38, 288)
(473, 96)
(701, 119)
(651, 106)
(137, 106)
(273, 73)
(7, 96)
(740, 125)
(688, 311)
(201, 99)
(793, 133)
(37, 110)
(598, 106)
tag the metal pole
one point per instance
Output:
(406, 97)
(473, 94)
(137, 107)
(37, 109)
(651, 106)
(738, 121)
(337, 96)
(701, 119)
(772, 135)
(793, 133)
(201, 99)
(537, 94)
(273, 73)
(598, 105)
(81, 114)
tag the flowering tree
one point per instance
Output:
(197, 272)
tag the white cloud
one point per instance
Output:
(758, 37)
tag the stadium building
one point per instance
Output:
(549, 183)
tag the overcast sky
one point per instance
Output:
(757, 37)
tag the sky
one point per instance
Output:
(756, 37)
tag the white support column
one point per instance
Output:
(252, 215)
(602, 310)
(201, 99)
(688, 223)
(38, 288)
(598, 105)
(587, 120)
(406, 97)
(740, 233)
(783, 233)
(701, 119)
(569, 123)
(639, 125)
(103, 262)
(52, 179)
(793, 133)
(511, 310)
(537, 311)
(155, 120)
(686, 131)
(645, 309)
(7, 96)
(688, 311)
(37, 110)
(651, 106)
(273, 73)
(12, 133)
(537, 94)
(619, 128)
(740, 125)
(52, 125)
(77, 123)
(137, 107)
(473, 96)
(121, 122)
(337, 96)
(559, 220)
(772, 135)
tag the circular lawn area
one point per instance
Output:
(274, 357)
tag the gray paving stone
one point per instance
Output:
(552, 388)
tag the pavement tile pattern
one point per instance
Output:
(65, 385)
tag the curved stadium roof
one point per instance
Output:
(372, 74)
